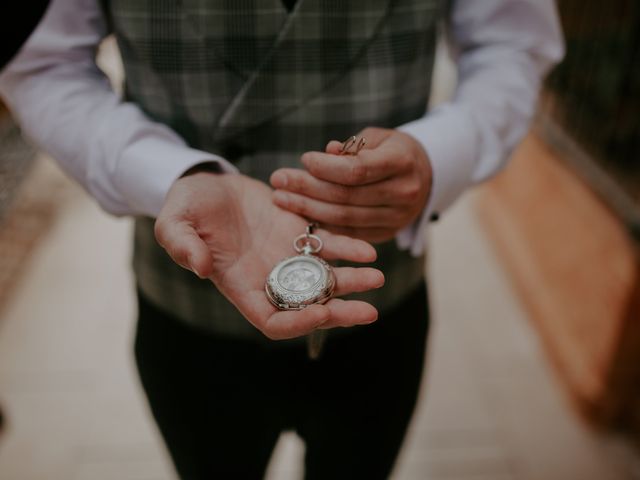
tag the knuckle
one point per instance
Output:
(343, 216)
(159, 230)
(405, 159)
(307, 209)
(389, 165)
(358, 172)
(297, 182)
(374, 132)
(411, 192)
(343, 193)
(370, 132)
(308, 160)
(301, 205)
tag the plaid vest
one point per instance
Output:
(258, 85)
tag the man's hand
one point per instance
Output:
(371, 195)
(227, 229)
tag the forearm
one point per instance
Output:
(66, 105)
(503, 50)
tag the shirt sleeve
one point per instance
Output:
(65, 104)
(502, 49)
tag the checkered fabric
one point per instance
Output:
(259, 85)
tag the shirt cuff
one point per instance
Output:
(149, 166)
(450, 137)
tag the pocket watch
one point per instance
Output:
(303, 279)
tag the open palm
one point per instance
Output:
(226, 228)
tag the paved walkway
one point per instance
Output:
(490, 409)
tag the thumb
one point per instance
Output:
(333, 147)
(184, 246)
(373, 138)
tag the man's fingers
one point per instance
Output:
(353, 280)
(348, 313)
(369, 235)
(368, 166)
(373, 136)
(184, 246)
(334, 147)
(340, 247)
(283, 324)
(334, 214)
(345, 169)
(383, 193)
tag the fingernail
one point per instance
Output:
(279, 180)
(381, 280)
(194, 269)
(305, 158)
(198, 274)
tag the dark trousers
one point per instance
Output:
(221, 403)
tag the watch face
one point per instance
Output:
(299, 275)
(299, 281)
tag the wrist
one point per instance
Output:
(205, 167)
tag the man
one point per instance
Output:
(225, 96)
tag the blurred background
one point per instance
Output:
(534, 360)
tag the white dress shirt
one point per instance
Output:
(128, 162)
